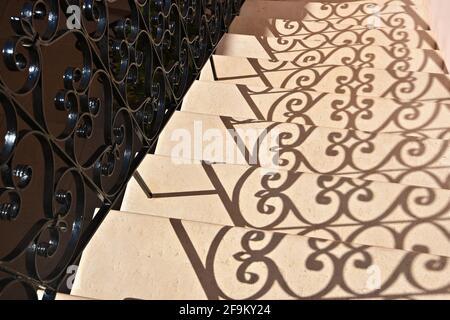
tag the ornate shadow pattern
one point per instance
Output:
(13, 288)
(395, 57)
(410, 110)
(331, 33)
(373, 15)
(80, 108)
(353, 154)
(339, 79)
(350, 210)
(386, 15)
(421, 119)
(321, 269)
(328, 207)
(358, 214)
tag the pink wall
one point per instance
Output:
(439, 11)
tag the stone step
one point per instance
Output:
(365, 14)
(288, 146)
(332, 34)
(417, 3)
(369, 56)
(406, 118)
(393, 84)
(328, 207)
(146, 257)
(62, 296)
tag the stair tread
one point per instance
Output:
(406, 118)
(327, 33)
(365, 14)
(349, 153)
(372, 56)
(63, 296)
(362, 179)
(414, 3)
(326, 207)
(146, 257)
(417, 86)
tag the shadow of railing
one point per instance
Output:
(406, 118)
(266, 265)
(349, 153)
(375, 14)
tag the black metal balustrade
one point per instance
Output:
(79, 109)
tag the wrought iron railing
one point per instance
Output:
(85, 88)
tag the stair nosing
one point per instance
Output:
(329, 65)
(314, 126)
(356, 4)
(299, 89)
(294, 236)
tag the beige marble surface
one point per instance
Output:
(146, 257)
(356, 204)
(440, 24)
(327, 207)
(288, 146)
(333, 34)
(416, 86)
(406, 118)
(373, 15)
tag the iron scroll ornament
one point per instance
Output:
(80, 108)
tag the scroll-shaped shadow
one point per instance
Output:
(365, 14)
(407, 118)
(348, 80)
(380, 15)
(354, 154)
(330, 33)
(250, 264)
(334, 208)
(85, 87)
(314, 53)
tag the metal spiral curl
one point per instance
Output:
(80, 108)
